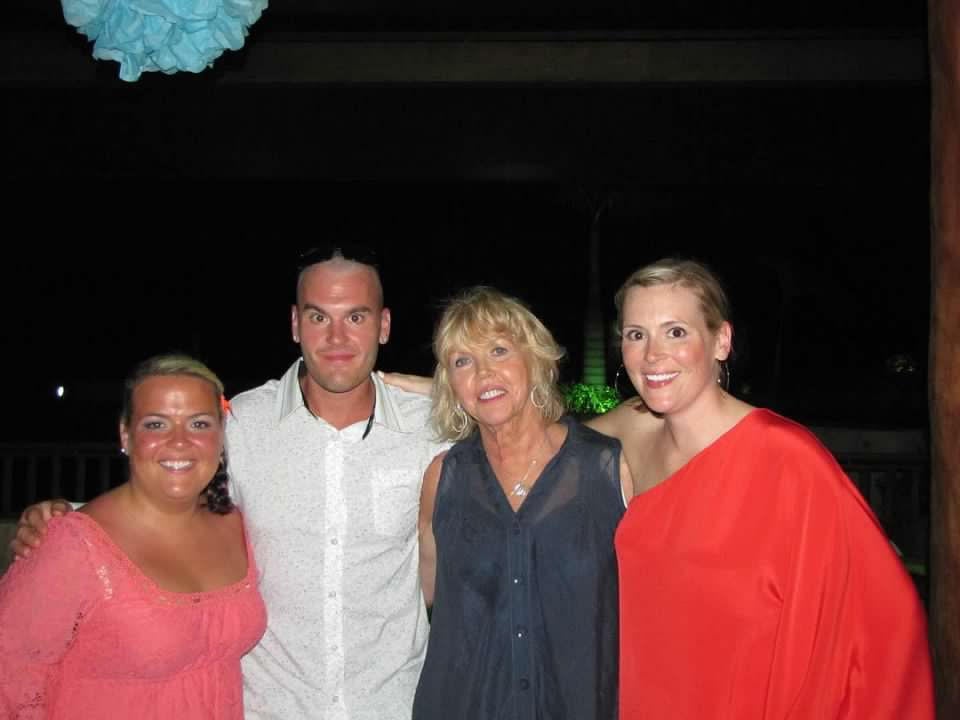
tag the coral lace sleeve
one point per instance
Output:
(43, 601)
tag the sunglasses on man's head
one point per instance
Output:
(346, 251)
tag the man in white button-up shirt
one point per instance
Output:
(326, 465)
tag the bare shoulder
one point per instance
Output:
(432, 474)
(105, 509)
(627, 422)
(230, 522)
(428, 493)
(227, 529)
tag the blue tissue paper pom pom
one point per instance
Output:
(164, 35)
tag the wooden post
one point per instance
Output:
(944, 33)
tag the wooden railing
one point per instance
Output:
(39, 471)
(898, 489)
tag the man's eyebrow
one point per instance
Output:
(357, 308)
(167, 416)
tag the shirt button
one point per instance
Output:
(333, 649)
(521, 631)
(516, 528)
(518, 581)
(332, 594)
(524, 684)
(336, 698)
(334, 542)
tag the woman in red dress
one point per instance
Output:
(755, 582)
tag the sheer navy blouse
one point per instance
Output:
(525, 608)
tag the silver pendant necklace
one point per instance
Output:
(520, 488)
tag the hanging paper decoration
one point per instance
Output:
(162, 35)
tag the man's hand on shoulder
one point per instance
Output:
(32, 526)
(411, 383)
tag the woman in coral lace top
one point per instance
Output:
(755, 583)
(141, 604)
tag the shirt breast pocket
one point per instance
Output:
(396, 500)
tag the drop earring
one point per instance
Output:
(723, 376)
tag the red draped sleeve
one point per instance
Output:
(756, 583)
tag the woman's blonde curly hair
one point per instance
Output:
(475, 317)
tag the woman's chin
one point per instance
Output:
(658, 406)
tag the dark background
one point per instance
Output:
(825, 300)
(167, 214)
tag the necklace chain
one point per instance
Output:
(520, 488)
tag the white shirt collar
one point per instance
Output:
(386, 412)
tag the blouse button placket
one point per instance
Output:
(520, 609)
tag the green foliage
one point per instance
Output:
(583, 399)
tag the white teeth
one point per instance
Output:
(176, 464)
(491, 394)
(660, 377)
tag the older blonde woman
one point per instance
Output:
(516, 527)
